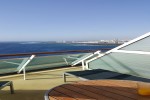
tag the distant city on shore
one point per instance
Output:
(100, 42)
(97, 42)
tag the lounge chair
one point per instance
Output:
(7, 83)
(129, 61)
(102, 74)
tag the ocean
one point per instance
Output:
(29, 47)
(9, 65)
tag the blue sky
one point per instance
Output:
(54, 20)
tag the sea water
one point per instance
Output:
(29, 47)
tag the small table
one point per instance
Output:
(96, 90)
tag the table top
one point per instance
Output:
(97, 90)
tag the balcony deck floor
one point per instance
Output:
(36, 85)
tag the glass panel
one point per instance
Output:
(9, 65)
(39, 62)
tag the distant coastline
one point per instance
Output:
(98, 43)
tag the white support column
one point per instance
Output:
(24, 73)
(86, 65)
(83, 65)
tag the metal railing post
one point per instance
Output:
(24, 65)
(83, 65)
(24, 73)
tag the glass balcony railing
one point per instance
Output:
(40, 61)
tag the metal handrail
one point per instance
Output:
(42, 53)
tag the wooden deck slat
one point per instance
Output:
(59, 96)
(96, 91)
(120, 83)
(72, 94)
(118, 90)
(103, 92)
(86, 92)
(100, 90)
(51, 98)
(118, 86)
(125, 87)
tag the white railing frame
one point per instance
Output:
(83, 60)
(132, 52)
(66, 61)
(11, 63)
